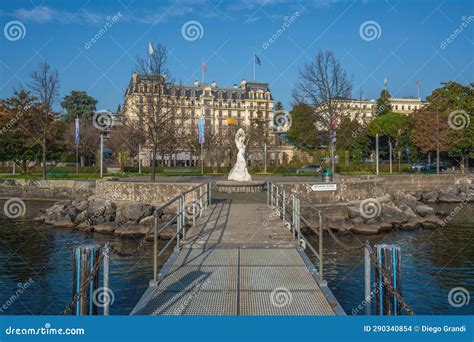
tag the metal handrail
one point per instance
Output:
(278, 200)
(204, 191)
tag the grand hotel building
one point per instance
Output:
(215, 104)
(237, 105)
(219, 106)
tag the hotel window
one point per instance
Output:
(409, 107)
(238, 114)
(193, 93)
(396, 107)
(220, 113)
(403, 107)
(140, 99)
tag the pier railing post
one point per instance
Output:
(283, 205)
(367, 279)
(209, 192)
(293, 215)
(178, 223)
(268, 192)
(106, 252)
(183, 218)
(298, 220)
(194, 208)
(155, 248)
(201, 193)
(321, 273)
(277, 202)
(85, 259)
(388, 257)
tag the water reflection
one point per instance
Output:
(433, 262)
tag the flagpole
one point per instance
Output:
(77, 144)
(202, 72)
(254, 66)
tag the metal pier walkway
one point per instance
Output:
(238, 259)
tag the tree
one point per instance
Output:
(278, 106)
(302, 132)
(155, 117)
(457, 102)
(125, 140)
(324, 85)
(16, 143)
(396, 127)
(352, 137)
(431, 132)
(259, 135)
(78, 105)
(445, 124)
(383, 105)
(89, 140)
(45, 86)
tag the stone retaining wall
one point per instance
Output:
(414, 183)
(362, 187)
(46, 189)
(151, 193)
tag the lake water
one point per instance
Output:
(433, 262)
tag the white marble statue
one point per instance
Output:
(239, 171)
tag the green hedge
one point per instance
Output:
(370, 168)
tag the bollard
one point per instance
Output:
(388, 257)
(85, 259)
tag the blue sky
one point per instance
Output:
(407, 45)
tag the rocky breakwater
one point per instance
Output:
(396, 210)
(453, 194)
(123, 219)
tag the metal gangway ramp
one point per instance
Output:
(238, 259)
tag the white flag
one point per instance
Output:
(150, 49)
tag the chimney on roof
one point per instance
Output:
(196, 83)
(213, 84)
(134, 78)
(243, 83)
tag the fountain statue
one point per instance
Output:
(239, 179)
(239, 172)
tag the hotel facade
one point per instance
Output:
(220, 107)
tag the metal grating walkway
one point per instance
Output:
(238, 281)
